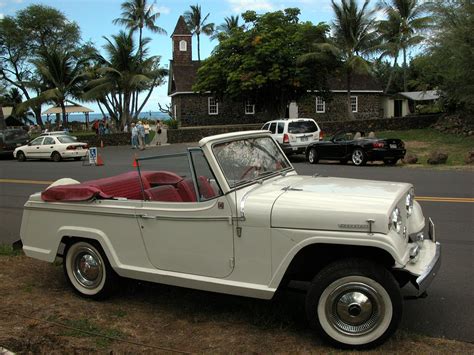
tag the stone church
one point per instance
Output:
(198, 109)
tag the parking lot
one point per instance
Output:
(446, 196)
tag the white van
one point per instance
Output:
(294, 134)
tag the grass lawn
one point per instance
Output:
(422, 142)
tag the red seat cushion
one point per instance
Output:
(161, 177)
(125, 185)
(186, 190)
(163, 193)
(76, 192)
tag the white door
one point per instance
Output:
(293, 110)
(47, 147)
(33, 149)
(192, 238)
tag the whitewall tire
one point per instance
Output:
(88, 271)
(354, 303)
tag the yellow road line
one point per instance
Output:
(28, 182)
(418, 198)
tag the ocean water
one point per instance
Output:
(80, 117)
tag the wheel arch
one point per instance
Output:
(69, 235)
(304, 263)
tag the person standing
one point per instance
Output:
(134, 136)
(141, 135)
(146, 126)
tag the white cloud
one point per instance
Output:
(163, 10)
(2, 16)
(255, 5)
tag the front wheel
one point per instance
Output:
(88, 271)
(313, 156)
(20, 156)
(354, 303)
(358, 157)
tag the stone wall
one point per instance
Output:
(192, 110)
(108, 139)
(369, 106)
(194, 134)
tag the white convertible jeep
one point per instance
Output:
(233, 216)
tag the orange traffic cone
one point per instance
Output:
(99, 161)
(135, 162)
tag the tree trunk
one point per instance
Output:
(405, 69)
(3, 124)
(199, 49)
(390, 77)
(63, 109)
(39, 119)
(350, 115)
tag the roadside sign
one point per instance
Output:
(92, 154)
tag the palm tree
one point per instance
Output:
(225, 29)
(123, 72)
(408, 15)
(354, 35)
(197, 24)
(137, 14)
(62, 74)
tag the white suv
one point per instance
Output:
(294, 134)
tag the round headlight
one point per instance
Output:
(395, 220)
(409, 201)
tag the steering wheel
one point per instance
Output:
(248, 170)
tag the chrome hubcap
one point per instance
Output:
(357, 157)
(87, 268)
(355, 308)
(311, 155)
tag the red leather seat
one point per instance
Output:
(205, 188)
(186, 190)
(125, 185)
(161, 177)
(163, 193)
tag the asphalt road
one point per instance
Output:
(446, 312)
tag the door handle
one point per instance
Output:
(145, 216)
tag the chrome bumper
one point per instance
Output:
(426, 263)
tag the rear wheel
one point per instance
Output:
(20, 156)
(354, 303)
(56, 157)
(390, 161)
(88, 271)
(313, 156)
(358, 157)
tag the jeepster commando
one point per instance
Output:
(233, 216)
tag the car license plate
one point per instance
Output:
(304, 139)
(295, 148)
(393, 146)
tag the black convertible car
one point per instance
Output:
(353, 145)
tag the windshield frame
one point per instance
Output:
(264, 176)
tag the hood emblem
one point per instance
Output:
(368, 226)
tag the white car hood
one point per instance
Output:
(327, 203)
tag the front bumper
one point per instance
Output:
(426, 261)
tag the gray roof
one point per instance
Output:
(421, 95)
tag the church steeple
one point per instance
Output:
(182, 42)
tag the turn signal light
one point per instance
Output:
(71, 147)
(286, 139)
(321, 135)
(378, 145)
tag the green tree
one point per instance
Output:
(62, 73)
(355, 38)
(260, 62)
(451, 54)
(197, 24)
(32, 30)
(121, 73)
(224, 30)
(408, 16)
(136, 15)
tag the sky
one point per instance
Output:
(95, 17)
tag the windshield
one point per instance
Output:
(302, 127)
(249, 159)
(66, 139)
